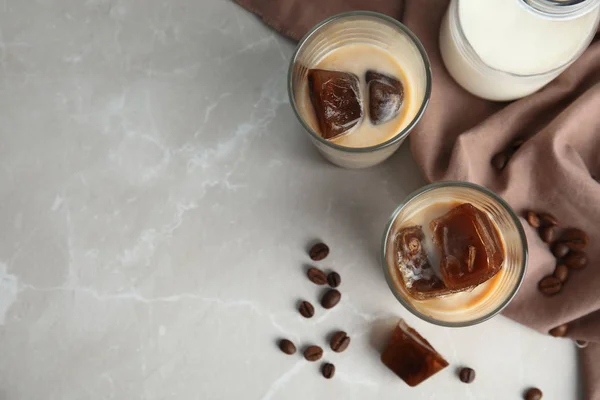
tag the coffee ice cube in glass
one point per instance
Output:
(470, 246)
(418, 275)
(386, 95)
(410, 356)
(335, 97)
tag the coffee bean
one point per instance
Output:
(550, 285)
(533, 219)
(561, 272)
(574, 239)
(560, 249)
(328, 370)
(559, 331)
(547, 233)
(533, 394)
(287, 347)
(316, 276)
(306, 309)
(319, 251)
(313, 353)
(339, 341)
(331, 298)
(548, 219)
(575, 260)
(334, 279)
(466, 375)
(500, 160)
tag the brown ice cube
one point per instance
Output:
(386, 95)
(418, 276)
(335, 97)
(410, 355)
(470, 246)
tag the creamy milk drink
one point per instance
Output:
(358, 83)
(507, 49)
(454, 253)
(358, 60)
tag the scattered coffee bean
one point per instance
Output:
(306, 309)
(331, 298)
(547, 233)
(319, 251)
(574, 239)
(328, 370)
(466, 375)
(316, 276)
(562, 272)
(334, 279)
(559, 331)
(339, 341)
(550, 285)
(500, 160)
(548, 219)
(287, 347)
(560, 249)
(533, 394)
(313, 353)
(575, 260)
(533, 219)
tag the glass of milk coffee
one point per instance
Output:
(507, 49)
(358, 83)
(454, 254)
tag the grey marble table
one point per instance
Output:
(157, 196)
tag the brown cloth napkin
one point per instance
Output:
(552, 171)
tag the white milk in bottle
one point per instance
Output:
(506, 49)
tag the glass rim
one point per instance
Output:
(403, 133)
(493, 196)
(561, 9)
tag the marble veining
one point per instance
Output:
(158, 196)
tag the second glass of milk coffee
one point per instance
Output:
(358, 83)
(454, 254)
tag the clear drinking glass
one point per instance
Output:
(459, 311)
(368, 28)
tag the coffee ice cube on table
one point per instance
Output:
(470, 246)
(410, 356)
(386, 95)
(335, 97)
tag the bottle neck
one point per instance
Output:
(561, 9)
